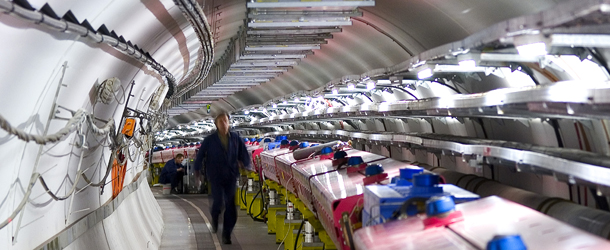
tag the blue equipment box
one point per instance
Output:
(381, 201)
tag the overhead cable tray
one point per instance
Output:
(559, 100)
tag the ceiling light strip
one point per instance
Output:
(299, 24)
(308, 4)
(292, 31)
(278, 48)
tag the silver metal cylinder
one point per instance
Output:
(272, 197)
(289, 211)
(309, 233)
(289, 207)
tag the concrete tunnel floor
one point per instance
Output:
(185, 228)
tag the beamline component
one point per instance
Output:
(598, 175)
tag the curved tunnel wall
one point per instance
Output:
(36, 63)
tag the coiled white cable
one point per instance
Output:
(106, 90)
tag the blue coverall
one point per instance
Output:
(169, 172)
(222, 171)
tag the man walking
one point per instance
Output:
(221, 152)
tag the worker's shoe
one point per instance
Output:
(226, 240)
(175, 191)
(214, 226)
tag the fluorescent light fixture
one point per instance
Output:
(469, 60)
(370, 84)
(209, 96)
(241, 64)
(239, 84)
(197, 102)
(286, 47)
(457, 68)
(533, 49)
(226, 88)
(274, 105)
(335, 91)
(274, 56)
(469, 63)
(266, 24)
(216, 91)
(425, 73)
(261, 70)
(293, 31)
(308, 4)
(241, 81)
(351, 86)
(232, 75)
(580, 40)
(337, 95)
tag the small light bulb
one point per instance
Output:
(351, 86)
(534, 49)
(335, 91)
(470, 63)
(424, 73)
(274, 105)
(370, 85)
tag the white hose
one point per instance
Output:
(78, 118)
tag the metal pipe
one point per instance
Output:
(591, 220)
(306, 152)
(64, 26)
